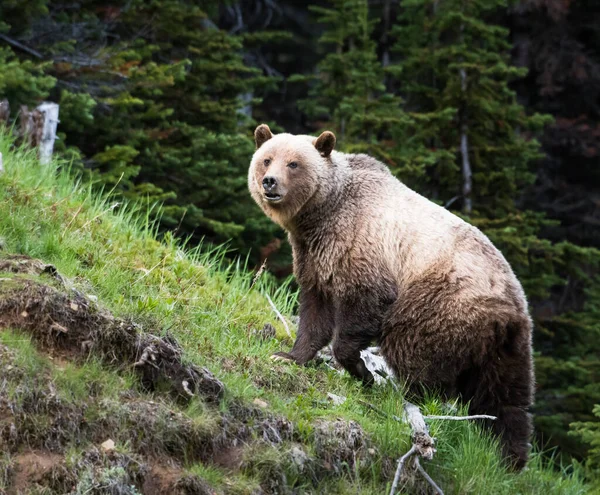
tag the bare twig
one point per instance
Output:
(149, 352)
(423, 444)
(427, 477)
(21, 46)
(462, 418)
(401, 461)
(72, 220)
(279, 315)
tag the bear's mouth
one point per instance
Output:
(273, 197)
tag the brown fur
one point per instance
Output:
(377, 261)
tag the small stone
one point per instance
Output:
(337, 400)
(260, 403)
(24, 314)
(74, 306)
(108, 445)
(299, 458)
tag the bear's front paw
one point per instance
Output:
(282, 356)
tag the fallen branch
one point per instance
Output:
(420, 433)
(461, 418)
(427, 477)
(401, 462)
(423, 445)
(279, 315)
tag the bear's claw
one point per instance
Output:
(282, 356)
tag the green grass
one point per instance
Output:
(109, 251)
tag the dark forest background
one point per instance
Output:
(488, 107)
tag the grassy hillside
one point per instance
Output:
(73, 325)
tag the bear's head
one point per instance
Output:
(289, 172)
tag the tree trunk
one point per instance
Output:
(50, 120)
(4, 111)
(464, 144)
(385, 57)
(38, 129)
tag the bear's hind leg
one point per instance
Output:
(503, 387)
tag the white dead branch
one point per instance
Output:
(279, 315)
(423, 445)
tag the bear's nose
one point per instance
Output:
(269, 183)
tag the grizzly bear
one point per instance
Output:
(375, 261)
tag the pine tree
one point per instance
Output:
(22, 80)
(348, 94)
(152, 97)
(589, 433)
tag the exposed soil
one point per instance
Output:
(230, 458)
(31, 468)
(161, 479)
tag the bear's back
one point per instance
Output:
(421, 236)
(361, 162)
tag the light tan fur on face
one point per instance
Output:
(310, 181)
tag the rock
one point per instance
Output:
(260, 403)
(299, 458)
(337, 400)
(108, 446)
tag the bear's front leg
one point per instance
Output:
(358, 323)
(315, 329)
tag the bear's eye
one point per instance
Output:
(293, 164)
(267, 162)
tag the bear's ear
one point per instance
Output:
(325, 143)
(261, 134)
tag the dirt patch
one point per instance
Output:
(229, 458)
(31, 468)
(71, 325)
(161, 479)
